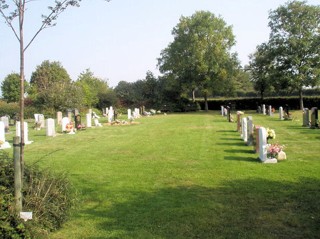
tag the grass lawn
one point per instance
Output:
(186, 176)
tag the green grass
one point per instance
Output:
(186, 176)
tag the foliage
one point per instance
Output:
(294, 41)
(10, 225)
(47, 195)
(10, 87)
(199, 57)
(51, 87)
(92, 87)
(11, 109)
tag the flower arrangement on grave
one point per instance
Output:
(271, 134)
(273, 150)
(69, 127)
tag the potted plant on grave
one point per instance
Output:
(271, 134)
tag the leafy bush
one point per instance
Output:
(47, 195)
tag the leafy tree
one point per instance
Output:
(260, 69)
(200, 49)
(10, 87)
(50, 86)
(91, 87)
(294, 42)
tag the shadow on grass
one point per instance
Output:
(246, 159)
(247, 150)
(252, 208)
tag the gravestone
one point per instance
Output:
(222, 110)
(96, 123)
(41, 120)
(77, 121)
(228, 113)
(250, 130)
(69, 115)
(306, 117)
(137, 112)
(244, 129)
(90, 111)
(263, 147)
(262, 144)
(59, 117)
(3, 144)
(129, 114)
(51, 129)
(76, 111)
(314, 118)
(281, 113)
(256, 135)
(5, 120)
(26, 132)
(64, 122)
(89, 120)
(259, 111)
(264, 109)
(282, 155)
(270, 110)
(238, 121)
(111, 114)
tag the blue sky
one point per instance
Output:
(121, 40)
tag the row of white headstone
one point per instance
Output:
(247, 134)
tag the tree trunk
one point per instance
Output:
(301, 99)
(193, 95)
(206, 108)
(21, 18)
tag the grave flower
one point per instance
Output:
(271, 134)
(273, 150)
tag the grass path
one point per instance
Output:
(186, 176)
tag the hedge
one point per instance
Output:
(253, 103)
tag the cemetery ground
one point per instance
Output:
(186, 176)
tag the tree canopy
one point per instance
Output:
(10, 87)
(199, 55)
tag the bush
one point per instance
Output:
(47, 195)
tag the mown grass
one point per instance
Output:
(186, 176)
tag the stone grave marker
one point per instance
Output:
(51, 128)
(89, 120)
(239, 113)
(129, 114)
(111, 114)
(77, 121)
(270, 110)
(3, 144)
(96, 122)
(41, 120)
(264, 109)
(26, 132)
(5, 120)
(256, 135)
(64, 122)
(244, 130)
(306, 117)
(250, 130)
(314, 118)
(262, 144)
(222, 110)
(281, 113)
(59, 117)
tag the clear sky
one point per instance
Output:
(121, 40)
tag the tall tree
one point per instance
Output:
(10, 87)
(294, 41)
(260, 69)
(49, 86)
(201, 46)
(91, 87)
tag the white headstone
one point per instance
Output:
(51, 129)
(282, 155)
(4, 144)
(262, 144)
(250, 130)
(222, 110)
(64, 122)
(41, 120)
(281, 113)
(129, 114)
(96, 123)
(264, 109)
(59, 117)
(26, 132)
(5, 120)
(270, 110)
(111, 114)
(244, 129)
(89, 120)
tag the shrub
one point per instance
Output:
(48, 195)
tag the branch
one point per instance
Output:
(8, 19)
